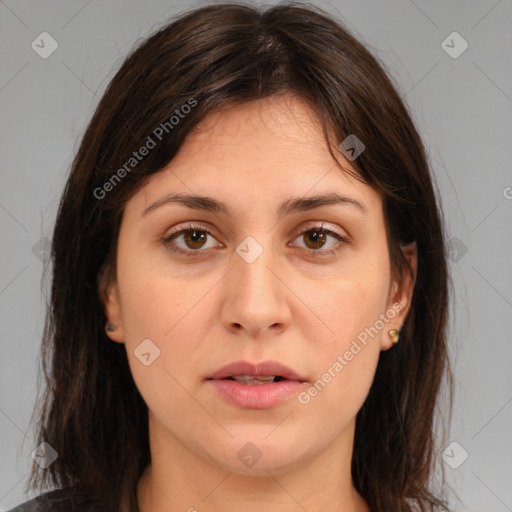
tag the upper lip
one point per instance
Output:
(265, 368)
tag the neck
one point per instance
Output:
(178, 479)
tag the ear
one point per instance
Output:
(109, 296)
(400, 296)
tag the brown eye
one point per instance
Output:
(316, 237)
(194, 239)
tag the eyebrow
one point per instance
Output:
(293, 204)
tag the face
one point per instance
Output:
(310, 288)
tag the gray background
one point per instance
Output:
(462, 106)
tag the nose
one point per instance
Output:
(257, 298)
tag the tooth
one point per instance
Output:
(252, 380)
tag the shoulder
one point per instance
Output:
(35, 504)
(52, 501)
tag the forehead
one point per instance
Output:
(254, 155)
(273, 128)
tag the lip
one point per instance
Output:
(259, 396)
(264, 368)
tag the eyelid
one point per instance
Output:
(190, 225)
(320, 224)
(204, 226)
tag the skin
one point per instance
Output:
(205, 311)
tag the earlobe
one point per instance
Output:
(402, 290)
(109, 297)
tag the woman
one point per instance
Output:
(250, 289)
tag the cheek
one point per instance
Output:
(346, 361)
(154, 301)
(158, 307)
(336, 397)
(166, 315)
(352, 302)
(348, 354)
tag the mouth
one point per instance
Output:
(266, 372)
(256, 386)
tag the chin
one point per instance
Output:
(261, 453)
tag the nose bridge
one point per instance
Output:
(255, 259)
(257, 301)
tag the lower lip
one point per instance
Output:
(258, 396)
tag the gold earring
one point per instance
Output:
(393, 334)
(110, 327)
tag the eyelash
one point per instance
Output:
(196, 227)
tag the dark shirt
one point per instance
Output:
(52, 501)
(28, 506)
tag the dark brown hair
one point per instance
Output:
(215, 57)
